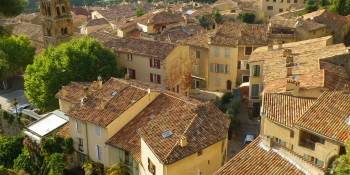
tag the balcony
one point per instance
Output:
(306, 143)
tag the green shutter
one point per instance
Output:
(130, 160)
(121, 155)
(319, 162)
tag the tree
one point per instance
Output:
(23, 162)
(10, 148)
(341, 7)
(139, 12)
(15, 53)
(342, 164)
(204, 22)
(217, 18)
(82, 59)
(311, 6)
(118, 169)
(12, 8)
(57, 164)
(248, 17)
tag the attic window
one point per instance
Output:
(167, 134)
(114, 93)
(152, 116)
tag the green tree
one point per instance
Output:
(10, 148)
(6, 171)
(204, 22)
(248, 17)
(82, 59)
(57, 164)
(23, 162)
(119, 169)
(341, 7)
(217, 18)
(342, 164)
(139, 12)
(12, 8)
(15, 53)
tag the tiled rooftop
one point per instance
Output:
(79, 20)
(331, 16)
(311, 25)
(307, 57)
(117, 12)
(103, 37)
(327, 116)
(233, 34)
(80, 11)
(181, 32)
(256, 160)
(33, 31)
(159, 18)
(96, 22)
(285, 109)
(199, 40)
(75, 91)
(123, 24)
(64, 131)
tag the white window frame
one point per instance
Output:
(129, 57)
(80, 142)
(78, 126)
(196, 69)
(99, 152)
(244, 65)
(155, 63)
(155, 78)
(97, 131)
(217, 81)
(227, 53)
(216, 52)
(227, 69)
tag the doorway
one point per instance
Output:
(256, 109)
(229, 85)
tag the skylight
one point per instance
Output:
(152, 116)
(114, 93)
(167, 134)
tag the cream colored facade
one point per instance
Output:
(85, 30)
(305, 35)
(269, 8)
(200, 73)
(205, 163)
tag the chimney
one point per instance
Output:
(346, 89)
(296, 88)
(269, 47)
(267, 141)
(185, 17)
(289, 71)
(293, 86)
(183, 141)
(279, 45)
(99, 81)
(86, 92)
(287, 52)
(103, 103)
(289, 59)
(64, 91)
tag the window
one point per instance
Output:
(217, 82)
(97, 131)
(126, 158)
(99, 153)
(117, 53)
(256, 70)
(291, 134)
(281, 1)
(227, 69)
(198, 54)
(314, 32)
(216, 51)
(151, 167)
(243, 65)
(248, 50)
(78, 125)
(317, 139)
(288, 1)
(58, 11)
(129, 57)
(239, 65)
(295, 1)
(154, 63)
(199, 153)
(196, 69)
(220, 68)
(227, 53)
(63, 10)
(255, 90)
(212, 68)
(306, 156)
(269, 7)
(132, 74)
(155, 78)
(80, 144)
(245, 78)
(274, 0)
(280, 10)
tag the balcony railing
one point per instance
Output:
(306, 143)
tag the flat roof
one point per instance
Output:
(47, 124)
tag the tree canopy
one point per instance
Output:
(12, 8)
(10, 148)
(139, 12)
(82, 59)
(248, 17)
(204, 22)
(119, 169)
(342, 163)
(217, 18)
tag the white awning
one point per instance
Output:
(197, 77)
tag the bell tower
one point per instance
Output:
(57, 22)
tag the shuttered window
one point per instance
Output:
(256, 70)
(97, 131)
(255, 90)
(196, 69)
(216, 52)
(99, 153)
(78, 125)
(227, 53)
(239, 65)
(198, 54)
(227, 69)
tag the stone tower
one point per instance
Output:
(57, 22)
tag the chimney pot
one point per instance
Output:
(287, 52)
(267, 141)
(86, 92)
(103, 104)
(346, 89)
(183, 141)
(64, 91)
(289, 71)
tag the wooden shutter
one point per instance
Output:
(158, 64)
(177, 88)
(151, 77)
(158, 79)
(239, 65)
(247, 66)
(133, 74)
(150, 62)
(97, 152)
(258, 70)
(121, 155)
(149, 165)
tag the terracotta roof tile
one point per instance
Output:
(256, 160)
(181, 32)
(330, 16)
(199, 40)
(159, 18)
(123, 24)
(311, 25)
(327, 116)
(103, 37)
(337, 69)
(285, 109)
(233, 34)
(75, 91)
(79, 20)
(96, 22)
(80, 11)
(33, 31)
(117, 12)
(64, 131)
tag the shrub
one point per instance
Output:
(226, 97)
(5, 114)
(69, 145)
(11, 118)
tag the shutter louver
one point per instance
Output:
(151, 77)
(158, 78)
(150, 62)
(158, 64)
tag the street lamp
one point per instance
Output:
(15, 103)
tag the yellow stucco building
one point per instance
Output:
(152, 130)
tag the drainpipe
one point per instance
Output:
(87, 141)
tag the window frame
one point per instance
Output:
(269, 7)
(245, 50)
(217, 81)
(256, 70)
(96, 127)
(227, 53)
(216, 52)
(256, 92)
(99, 152)
(78, 125)
(198, 54)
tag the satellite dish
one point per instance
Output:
(148, 90)
(347, 121)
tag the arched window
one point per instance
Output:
(62, 31)
(48, 11)
(66, 30)
(58, 11)
(48, 32)
(63, 10)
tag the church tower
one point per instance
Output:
(57, 22)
